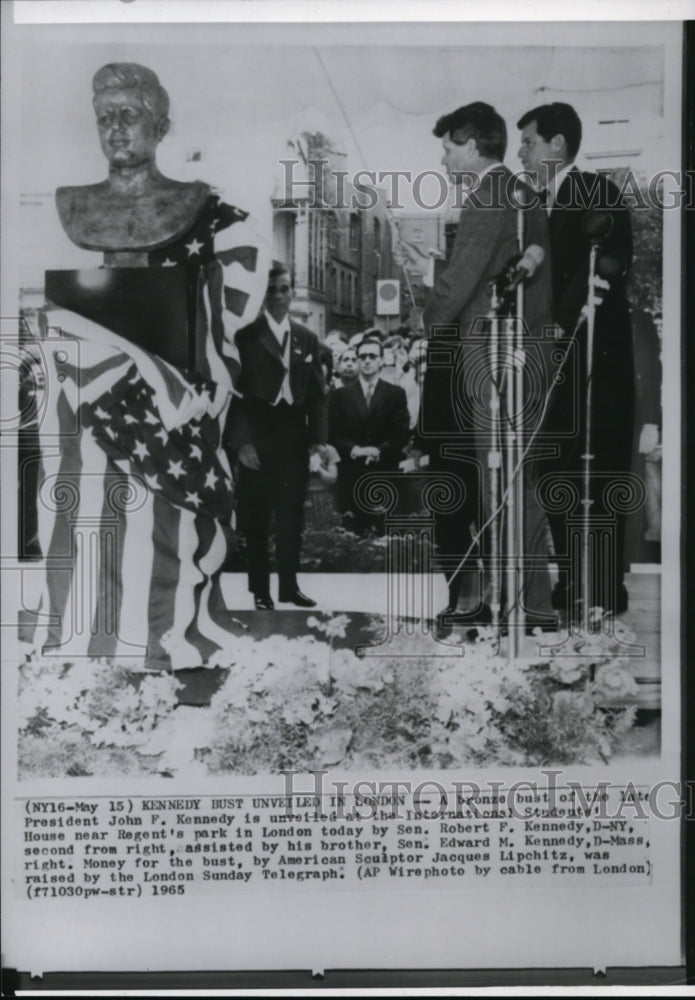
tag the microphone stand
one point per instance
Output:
(494, 459)
(512, 496)
(502, 303)
(513, 449)
(519, 414)
(587, 457)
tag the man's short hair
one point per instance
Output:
(556, 119)
(277, 270)
(133, 76)
(477, 121)
(374, 341)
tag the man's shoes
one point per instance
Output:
(568, 600)
(481, 615)
(263, 602)
(296, 597)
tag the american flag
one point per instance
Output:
(135, 502)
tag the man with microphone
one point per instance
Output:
(584, 208)
(454, 424)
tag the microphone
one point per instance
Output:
(609, 267)
(502, 277)
(597, 225)
(526, 267)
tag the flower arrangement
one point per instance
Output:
(306, 702)
(79, 709)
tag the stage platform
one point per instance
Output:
(420, 596)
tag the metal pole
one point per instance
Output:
(494, 462)
(519, 363)
(587, 457)
(515, 502)
(510, 452)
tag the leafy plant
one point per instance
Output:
(311, 702)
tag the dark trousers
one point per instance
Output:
(612, 405)
(277, 488)
(469, 578)
(453, 530)
(606, 539)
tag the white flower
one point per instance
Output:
(568, 670)
(613, 681)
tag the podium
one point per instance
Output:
(149, 306)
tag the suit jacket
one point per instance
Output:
(485, 241)
(613, 367)
(384, 424)
(260, 379)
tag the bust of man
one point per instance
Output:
(136, 209)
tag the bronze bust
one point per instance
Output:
(136, 209)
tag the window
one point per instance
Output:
(331, 231)
(318, 240)
(354, 231)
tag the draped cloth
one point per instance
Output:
(135, 502)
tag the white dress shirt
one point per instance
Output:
(554, 185)
(279, 331)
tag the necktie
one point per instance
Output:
(543, 196)
(368, 392)
(285, 390)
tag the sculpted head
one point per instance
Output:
(132, 112)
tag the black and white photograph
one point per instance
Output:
(343, 440)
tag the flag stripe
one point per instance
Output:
(176, 400)
(59, 558)
(166, 567)
(204, 643)
(245, 255)
(83, 376)
(235, 300)
(183, 653)
(136, 563)
(104, 638)
(210, 623)
(87, 534)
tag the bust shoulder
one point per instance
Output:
(95, 217)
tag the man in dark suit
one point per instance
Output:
(280, 417)
(369, 426)
(454, 416)
(550, 139)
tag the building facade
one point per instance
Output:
(335, 239)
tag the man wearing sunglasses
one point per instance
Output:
(280, 418)
(369, 426)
